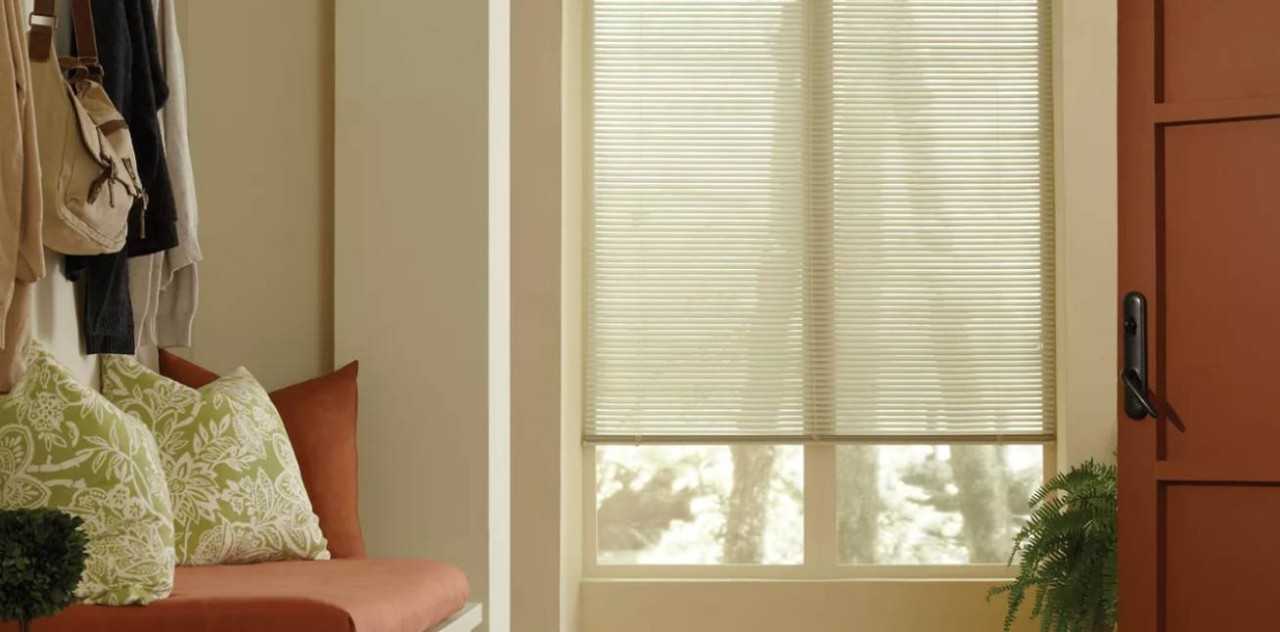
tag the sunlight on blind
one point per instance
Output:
(819, 220)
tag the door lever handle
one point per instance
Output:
(1133, 331)
(1138, 392)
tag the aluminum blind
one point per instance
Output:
(819, 220)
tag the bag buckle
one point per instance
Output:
(36, 20)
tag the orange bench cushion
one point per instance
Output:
(312, 596)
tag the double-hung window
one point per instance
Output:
(819, 279)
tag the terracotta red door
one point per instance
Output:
(1200, 240)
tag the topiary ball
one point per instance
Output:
(42, 555)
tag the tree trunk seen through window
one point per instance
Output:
(860, 503)
(982, 482)
(748, 511)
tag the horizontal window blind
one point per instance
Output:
(696, 244)
(943, 222)
(819, 220)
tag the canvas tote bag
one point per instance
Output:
(90, 174)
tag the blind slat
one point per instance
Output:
(820, 220)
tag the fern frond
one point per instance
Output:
(1067, 553)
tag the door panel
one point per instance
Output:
(1221, 293)
(1220, 49)
(1223, 577)
(1199, 158)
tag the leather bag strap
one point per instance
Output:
(86, 38)
(44, 24)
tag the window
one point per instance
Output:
(689, 505)
(819, 274)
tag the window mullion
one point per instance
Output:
(821, 554)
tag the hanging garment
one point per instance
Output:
(128, 47)
(17, 330)
(164, 309)
(144, 296)
(21, 205)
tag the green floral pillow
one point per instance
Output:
(234, 482)
(64, 446)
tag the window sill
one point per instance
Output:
(882, 605)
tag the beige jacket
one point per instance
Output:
(21, 205)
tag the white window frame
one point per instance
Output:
(821, 533)
(1084, 217)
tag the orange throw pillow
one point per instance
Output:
(320, 417)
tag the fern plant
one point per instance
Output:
(1067, 553)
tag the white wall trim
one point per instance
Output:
(499, 315)
(573, 190)
(1085, 185)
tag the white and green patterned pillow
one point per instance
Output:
(234, 482)
(64, 446)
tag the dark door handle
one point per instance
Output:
(1137, 404)
(1137, 394)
